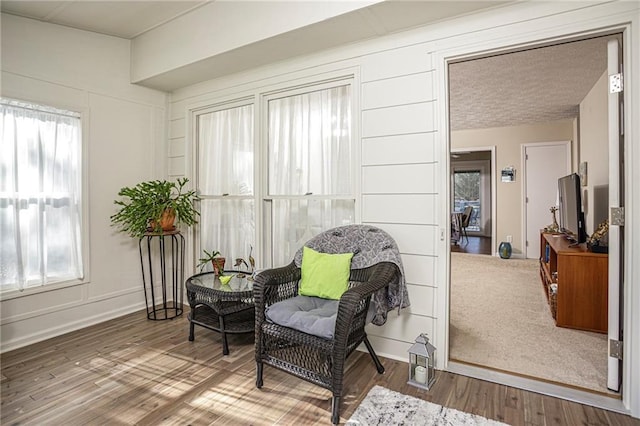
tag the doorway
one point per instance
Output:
(472, 189)
(515, 121)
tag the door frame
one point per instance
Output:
(539, 33)
(568, 145)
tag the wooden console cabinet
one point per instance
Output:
(581, 298)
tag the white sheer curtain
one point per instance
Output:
(40, 195)
(310, 161)
(225, 181)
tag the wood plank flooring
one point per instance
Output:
(135, 371)
(475, 245)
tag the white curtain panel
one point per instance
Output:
(40, 195)
(225, 180)
(310, 157)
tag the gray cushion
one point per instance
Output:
(311, 315)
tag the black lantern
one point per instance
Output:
(422, 359)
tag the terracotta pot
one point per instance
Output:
(167, 221)
(218, 265)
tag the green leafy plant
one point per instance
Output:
(144, 205)
(216, 260)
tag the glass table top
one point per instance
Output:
(231, 281)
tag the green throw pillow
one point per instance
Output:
(324, 275)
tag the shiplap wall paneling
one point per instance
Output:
(177, 147)
(422, 300)
(402, 327)
(404, 208)
(178, 109)
(399, 149)
(393, 63)
(399, 179)
(419, 269)
(176, 167)
(403, 90)
(398, 120)
(177, 128)
(398, 334)
(412, 239)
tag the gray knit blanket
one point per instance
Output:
(370, 245)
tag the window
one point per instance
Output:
(310, 167)
(225, 181)
(472, 187)
(467, 193)
(40, 196)
(307, 172)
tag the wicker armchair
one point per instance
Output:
(314, 359)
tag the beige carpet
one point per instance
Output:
(500, 319)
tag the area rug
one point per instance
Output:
(382, 406)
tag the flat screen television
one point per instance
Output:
(570, 208)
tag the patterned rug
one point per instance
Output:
(382, 406)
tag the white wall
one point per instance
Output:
(404, 143)
(401, 79)
(123, 126)
(220, 27)
(398, 143)
(594, 150)
(508, 142)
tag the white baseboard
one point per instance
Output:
(48, 333)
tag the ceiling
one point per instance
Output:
(125, 19)
(543, 84)
(537, 85)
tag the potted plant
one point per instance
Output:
(155, 206)
(216, 260)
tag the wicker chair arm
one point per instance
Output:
(273, 285)
(279, 275)
(379, 276)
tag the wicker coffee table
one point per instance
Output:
(225, 308)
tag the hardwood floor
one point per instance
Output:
(475, 245)
(135, 371)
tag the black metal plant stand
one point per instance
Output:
(155, 253)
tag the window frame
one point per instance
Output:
(265, 201)
(85, 238)
(281, 86)
(194, 116)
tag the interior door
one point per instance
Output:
(616, 199)
(544, 164)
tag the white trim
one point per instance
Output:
(83, 114)
(258, 93)
(539, 30)
(70, 326)
(81, 301)
(545, 388)
(631, 320)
